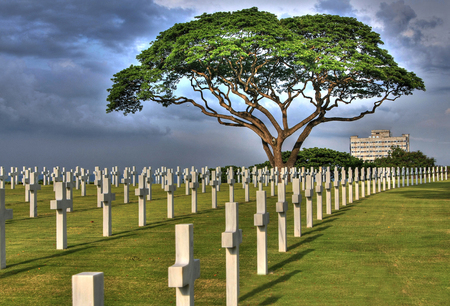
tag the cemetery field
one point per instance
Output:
(389, 248)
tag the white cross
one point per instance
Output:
(186, 269)
(5, 214)
(170, 188)
(231, 239)
(61, 204)
(107, 197)
(141, 191)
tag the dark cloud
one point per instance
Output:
(335, 7)
(396, 16)
(50, 29)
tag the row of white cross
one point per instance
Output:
(186, 269)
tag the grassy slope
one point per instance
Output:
(391, 248)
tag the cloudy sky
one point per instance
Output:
(57, 59)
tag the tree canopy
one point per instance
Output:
(321, 157)
(400, 158)
(241, 64)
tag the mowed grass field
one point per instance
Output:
(390, 248)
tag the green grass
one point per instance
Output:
(391, 248)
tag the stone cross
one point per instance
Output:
(433, 173)
(98, 181)
(56, 175)
(446, 173)
(88, 289)
(368, 182)
(163, 174)
(231, 239)
(69, 188)
(142, 191)
(231, 181)
(388, 177)
(5, 214)
(356, 183)
(3, 177)
(429, 175)
(126, 181)
(374, 179)
(34, 187)
(61, 204)
(261, 220)
(170, 188)
(107, 197)
(116, 176)
(133, 175)
(407, 177)
(186, 269)
(363, 182)
(77, 174)
(281, 209)
(319, 189)
(260, 179)
(393, 176)
(272, 182)
(309, 204)
(207, 178)
(297, 201)
(336, 188)
(246, 182)
(13, 174)
(187, 178)
(213, 184)
(383, 178)
(344, 186)
(350, 185)
(149, 182)
(328, 191)
(45, 176)
(26, 183)
(194, 186)
(178, 175)
(254, 176)
(219, 177)
(84, 179)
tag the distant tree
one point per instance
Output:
(321, 157)
(250, 62)
(398, 157)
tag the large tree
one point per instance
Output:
(241, 64)
(400, 158)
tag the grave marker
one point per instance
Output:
(309, 204)
(186, 269)
(231, 239)
(319, 189)
(98, 182)
(170, 189)
(34, 187)
(261, 220)
(107, 198)
(69, 188)
(194, 186)
(297, 201)
(281, 209)
(60, 204)
(142, 191)
(356, 183)
(84, 177)
(336, 189)
(5, 214)
(344, 187)
(126, 181)
(231, 181)
(363, 183)
(149, 182)
(88, 289)
(328, 190)
(3, 177)
(213, 184)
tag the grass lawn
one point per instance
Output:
(390, 248)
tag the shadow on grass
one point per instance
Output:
(317, 229)
(437, 191)
(267, 286)
(295, 257)
(59, 254)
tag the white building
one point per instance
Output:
(377, 145)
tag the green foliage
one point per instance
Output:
(321, 157)
(400, 158)
(258, 54)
